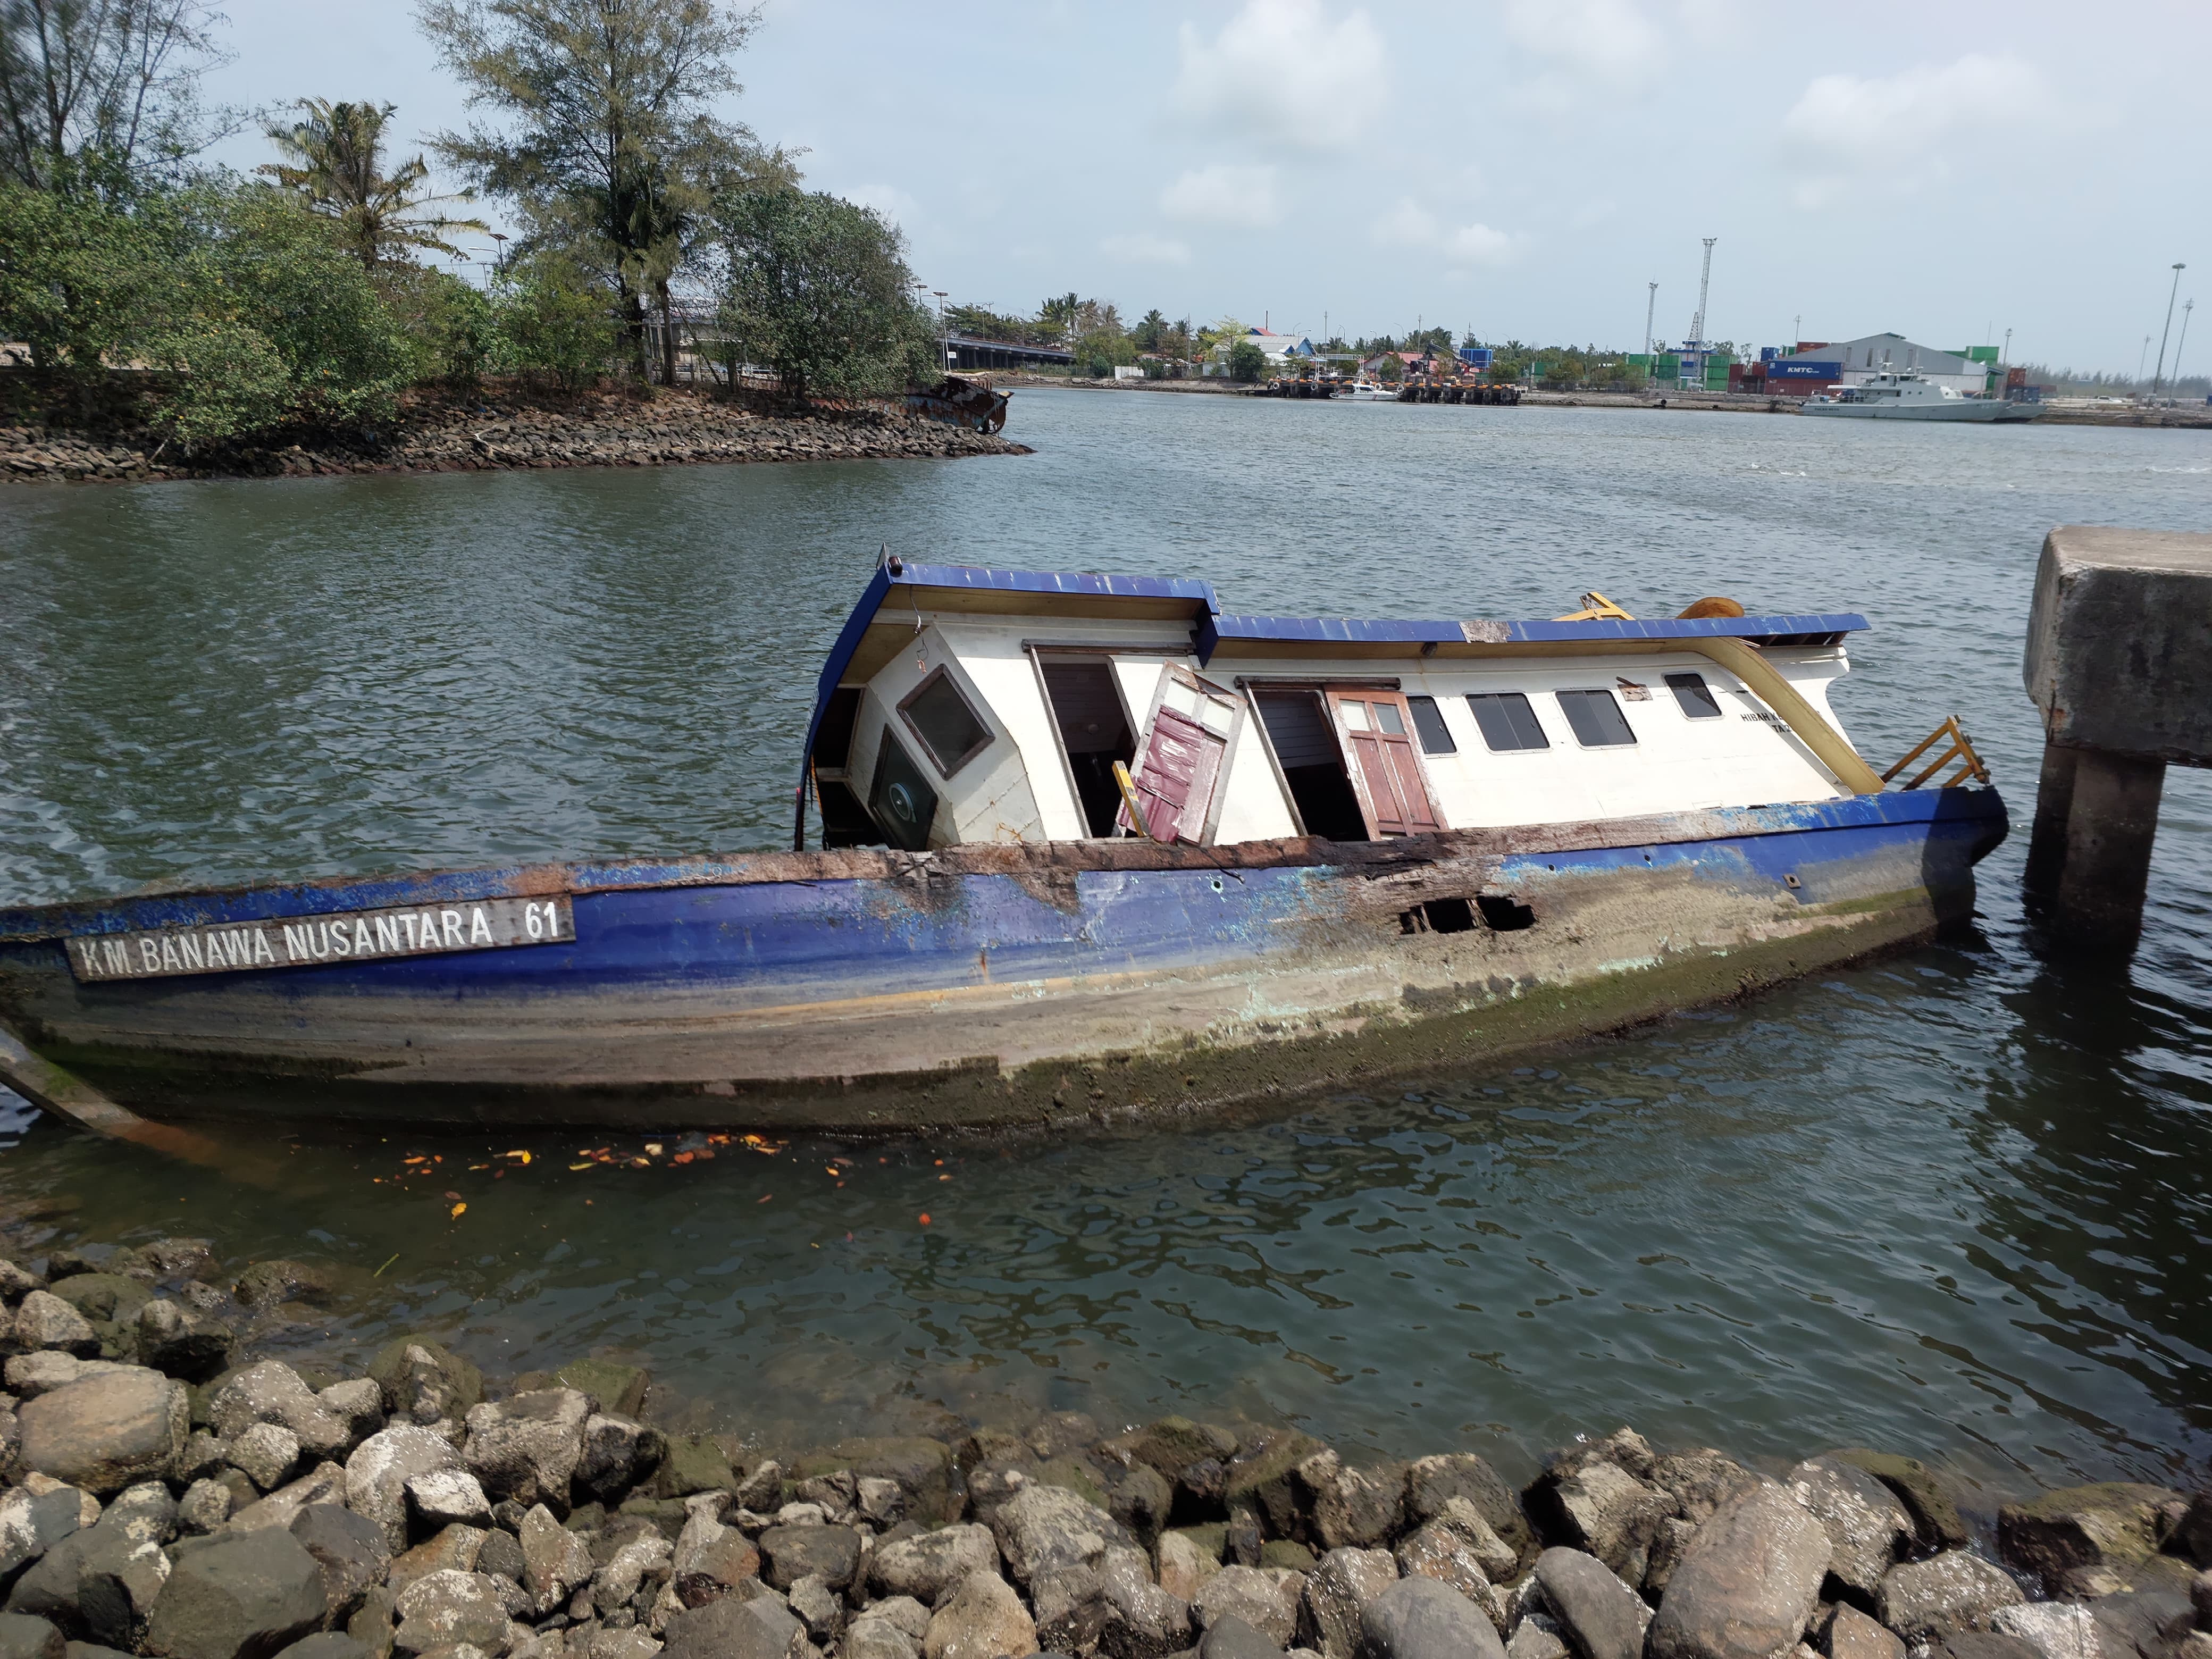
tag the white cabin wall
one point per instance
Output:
(1007, 678)
(1253, 804)
(991, 798)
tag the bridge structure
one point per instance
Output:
(965, 351)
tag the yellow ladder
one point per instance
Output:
(1961, 749)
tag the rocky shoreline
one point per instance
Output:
(168, 1494)
(512, 429)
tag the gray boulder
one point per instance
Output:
(734, 1628)
(182, 1342)
(377, 1473)
(442, 1497)
(325, 1644)
(556, 1561)
(1136, 1619)
(2084, 1541)
(1262, 1478)
(1597, 1506)
(350, 1551)
(983, 1618)
(358, 1404)
(1538, 1636)
(1337, 1591)
(2055, 1630)
(1431, 1482)
(43, 1320)
(1232, 1639)
(1936, 1517)
(1868, 1527)
(425, 1383)
(1268, 1599)
(146, 1511)
(618, 1452)
(527, 1447)
(711, 1560)
(1668, 1545)
(1045, 1531)
(791, 1553)
(1747, 1584)
(241, 1595)
(450, 1607)
(31, 1523)
(104, 1432)
(1600, 1616)
(30, 1375)
(266, 1454)
(1700, 1481)
(1422, 1618)
(1353, 1508)
(204, 1506)
(1141, 1501)
(272, 1392)
(98, 1583)
(17, 1281)
(1927, 1600)
(925, 1565)
(1847, 1634)
(23, 1636)
(818, 1607)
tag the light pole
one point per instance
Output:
(2187, 306)
(944, 335)
(1650, 305)
(2141, 358)
(2178, 269)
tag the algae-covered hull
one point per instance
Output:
(977, 985)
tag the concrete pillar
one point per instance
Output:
(2119, 654)
(2088, 862)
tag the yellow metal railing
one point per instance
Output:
(1597, 608)
(1961, 749)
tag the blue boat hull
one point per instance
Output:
(989, 986)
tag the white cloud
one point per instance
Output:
(894, 203)
(1409, 224)
(1282, 73)
(1223, 195)
(1610, 39)
(1906, 128)
(1142, 247)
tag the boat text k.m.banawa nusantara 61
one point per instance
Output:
(1087, 843)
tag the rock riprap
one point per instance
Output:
(167, 1490)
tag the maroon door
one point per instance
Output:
(1376, 729)
(1174, 777)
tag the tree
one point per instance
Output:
(612, 147)
(1150, 333)
(335, 168)
(818, 288)
(96, 87)
(554, 320)
(1246, 362)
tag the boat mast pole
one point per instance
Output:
(2179, 267)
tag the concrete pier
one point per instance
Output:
(2119, 663)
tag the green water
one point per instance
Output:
(1952, 1204)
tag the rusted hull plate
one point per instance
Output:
(993, 985)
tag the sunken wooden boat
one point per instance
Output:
(1086, 844)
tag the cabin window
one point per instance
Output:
(1595, 719)
(1094, 733)
(951, 731)
(902, 800)
(1300, 731)
(1506, 720)
(1694, 697)
(1429, 721)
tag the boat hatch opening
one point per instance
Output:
(1313, 766)
(1500, 913)
(902, 802)
(1694, 697)
(1094, 733)
(950, 732)
(1377, 732)
(1595, 719)
(1504, 914)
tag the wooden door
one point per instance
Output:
(1377, 730)
(1183, 756)
(1175, 779)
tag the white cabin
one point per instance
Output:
(966, 705)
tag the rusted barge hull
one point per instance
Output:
(985, 985)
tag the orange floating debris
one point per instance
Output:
(681, 1158)
(456, 1211)
(924, 1218)
(585, 1165)
(764, 1197)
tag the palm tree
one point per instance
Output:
(334, 155)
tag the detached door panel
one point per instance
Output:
(1377, 727)
(1185, 753)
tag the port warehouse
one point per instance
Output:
(1814, 365)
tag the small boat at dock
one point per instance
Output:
(1068, 846)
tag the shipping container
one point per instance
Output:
(1803, 368)
(1476, 357)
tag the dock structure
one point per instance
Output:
(2119, 653)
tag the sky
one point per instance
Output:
(1521, 169)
